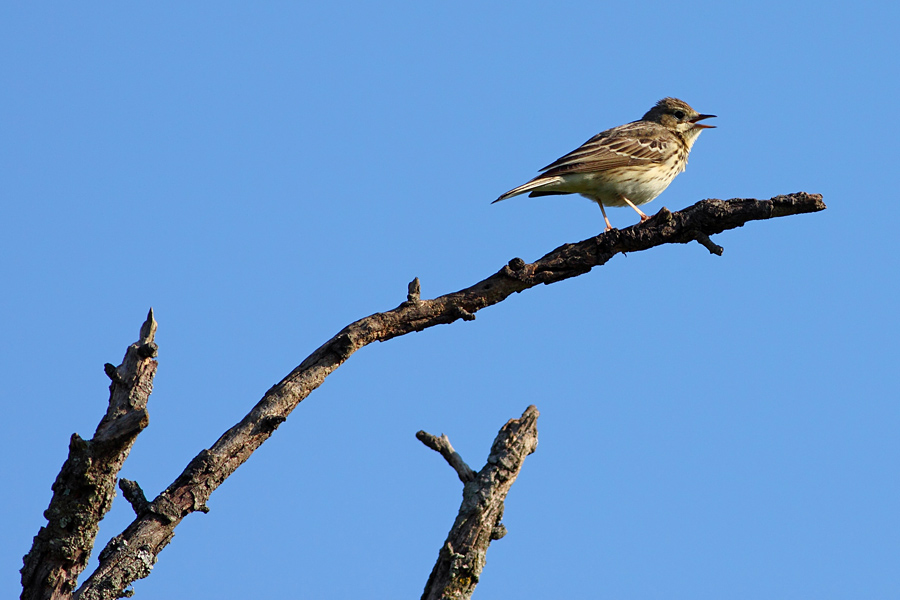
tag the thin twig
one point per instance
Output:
(442, 445)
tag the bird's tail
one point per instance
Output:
(534, 184)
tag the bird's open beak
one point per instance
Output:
(700, 118)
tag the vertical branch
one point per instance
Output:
(462, 557)
(85, 487)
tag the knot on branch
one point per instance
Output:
(344, 346)
(516, 269)
(269, 424)
(148, 350)
(663, 217)
(113, 373)
(461, 313)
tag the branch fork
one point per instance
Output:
(463, 554)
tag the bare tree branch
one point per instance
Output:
(131, 555)
(442, 445)
(86, 485)
(462, 557)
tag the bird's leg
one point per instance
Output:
(632, 205)
(603, 210)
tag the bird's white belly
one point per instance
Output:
(640, 184)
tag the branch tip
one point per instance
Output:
(135, 495)
(148, 329)
(414, 290)
(707, 243)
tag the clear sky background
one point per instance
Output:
(263, 174)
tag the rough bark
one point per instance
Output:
(463, 555)
(131, 555)
(86, 485)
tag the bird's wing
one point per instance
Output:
(631, 144)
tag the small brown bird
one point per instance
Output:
(627, 165)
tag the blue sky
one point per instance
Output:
(263, 175)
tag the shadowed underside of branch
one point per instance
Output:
(130, 555)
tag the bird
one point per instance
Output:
(627, 165)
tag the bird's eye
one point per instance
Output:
(679, 114)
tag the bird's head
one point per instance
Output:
(677, 116)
